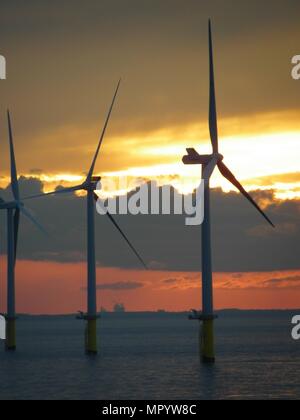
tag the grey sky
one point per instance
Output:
(65, 57)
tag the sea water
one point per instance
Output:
(153, 356)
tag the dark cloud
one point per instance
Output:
(241, 239)
(120, 286)
(237, 275)
(171, 281)
(182, 282)
(291, 281)
(36, 171)
(228, 281)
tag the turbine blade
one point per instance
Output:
(231, 178)
(127, 240)
(91, 171)
(208, 169)
(29, 216)
(16, 230)
(13, 166)
(213, 127)
(124, 236)
(60, 191)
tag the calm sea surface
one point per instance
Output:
(153, 356)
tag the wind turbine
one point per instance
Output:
(14, 209)
(90, 185)
(209, 163)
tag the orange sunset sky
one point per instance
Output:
(63, 63)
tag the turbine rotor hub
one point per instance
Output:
(93, 184)
(218, 156)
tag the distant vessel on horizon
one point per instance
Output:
(119, 308)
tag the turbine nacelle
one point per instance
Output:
(193, 158)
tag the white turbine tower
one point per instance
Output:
(209, 163)
(90, 186)
(14, 209)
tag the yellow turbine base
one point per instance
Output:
(91, 337)
(10, 342)
(207, 342)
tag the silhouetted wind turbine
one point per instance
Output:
(90, 186)
(14, 210)
(209, 163)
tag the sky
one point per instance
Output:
(63, 63)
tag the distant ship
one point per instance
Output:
(119, 307)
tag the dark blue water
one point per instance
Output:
(153, 356)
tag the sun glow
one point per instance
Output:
(256, 160)
(258, 149)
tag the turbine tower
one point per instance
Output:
(14, 209)
(90, 186)
(209, 163)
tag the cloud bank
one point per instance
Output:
(241, 239)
